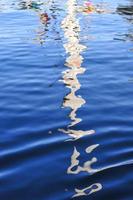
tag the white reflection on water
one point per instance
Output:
(88, 190)
(73, 48)
(71, 28)
(87, 166)
(76, 134)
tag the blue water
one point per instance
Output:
(66, 101)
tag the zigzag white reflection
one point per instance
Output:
(71, 29)
(88, 190)
(86, 166)
(74, 61)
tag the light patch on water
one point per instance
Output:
(88, 190)
(77, 134)
(91, 148)
(71, 28)
(86, 166)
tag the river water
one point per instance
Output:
(66, 100)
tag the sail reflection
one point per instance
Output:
(74, 61)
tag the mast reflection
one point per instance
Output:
(74, 61)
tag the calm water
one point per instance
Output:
(66, 101)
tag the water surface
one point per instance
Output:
(66, 103)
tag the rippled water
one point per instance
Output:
(66, 100)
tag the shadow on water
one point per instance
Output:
(29, 4)
(127, 12)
